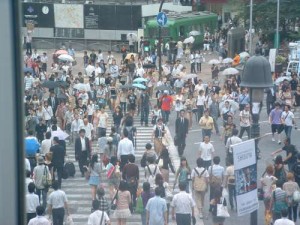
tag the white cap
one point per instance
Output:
(166, 92)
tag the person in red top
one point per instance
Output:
(166, 105)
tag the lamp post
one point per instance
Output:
(159, 41)
(277, 26)
(251, 27)
(256, 76)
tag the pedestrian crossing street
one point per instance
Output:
(78, 190)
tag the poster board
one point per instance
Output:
(245, 171)
(68, 15)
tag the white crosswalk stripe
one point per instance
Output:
(78, 190)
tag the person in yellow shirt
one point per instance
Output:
(207, 124)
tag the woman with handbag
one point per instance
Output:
(290, 187)
(123, 201)
(217, 199)
(164, 163)
(183, 174)
(268, 180)
(95, 169)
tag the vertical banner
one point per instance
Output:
(245, 171)
(272, 58)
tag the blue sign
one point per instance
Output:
(161, 19)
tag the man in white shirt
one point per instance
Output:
(46, 144)
(88, 127)
(75, 127)
(183, 205)
(32, 201)
(103, 122)
(28, 81)
(57, 204)
(245, 121)
(206, 151)
(44, 61)
(140, 70)
(284, 220)
(288, 120)
(125, 148)
(234, 139)
(40, 219)
(98, 217)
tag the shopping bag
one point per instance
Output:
(69, 221)
(222, 210)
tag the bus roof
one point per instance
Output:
(174, 18)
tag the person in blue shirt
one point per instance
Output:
(156, 209)
(32, 146)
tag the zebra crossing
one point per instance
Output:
(78, 190)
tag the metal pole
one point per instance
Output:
(159, 42)
(277, 26)
(250, 27)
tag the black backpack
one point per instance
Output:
(296, 171)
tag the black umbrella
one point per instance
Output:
(61, 83)
(126, 86)
(162, 88)
(49, 84)
(62, 96)
(149, 66)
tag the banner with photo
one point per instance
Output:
(245, 171)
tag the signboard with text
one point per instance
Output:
(41, 15)
(245, 171)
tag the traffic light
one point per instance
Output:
(146, 45)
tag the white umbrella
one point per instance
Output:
(89, 70)
(66, 57)
(244, 54)
(234, 105)
(213, 61)
(281, 79)
(60, 134)
(132, 36)
(230, 71)
(189, 40)
(189, 76)
(194, 33)
(81, 87)
(227, 60)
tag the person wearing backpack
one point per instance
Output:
(149, 152)
(158, 133)
(280, 172)
(150, 172)
(200, 178)
(182, 174)
(230, 183)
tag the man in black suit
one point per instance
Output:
(82, 150)
(181, 130)
(58, 159)
(53, 102)
(271, 98)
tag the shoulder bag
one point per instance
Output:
(113, 204)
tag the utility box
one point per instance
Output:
(235, 41)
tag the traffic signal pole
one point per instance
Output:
(159, 41)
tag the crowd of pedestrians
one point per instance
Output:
(62, 108)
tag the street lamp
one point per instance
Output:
(256, 76)
(159, 42)
(277, 26)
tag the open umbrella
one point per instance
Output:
(66, 57)
(81, 87)
(148, 66)
(189, 76)
(281, 79)
(128, 56)
(194, 33)
(62, 96)
(89, 70)
(213, 61)
(234, 105)
(140, 79)
(61, 52)
(162, 88)
(230, 71)
(125, 86)
(132, 36)
(60, 134)
(61, 83)
(227, 60)
(189, 40)
(137, 85)
(244, 54)
(50, 84)
(28, 70)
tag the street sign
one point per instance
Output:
(161, 19)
